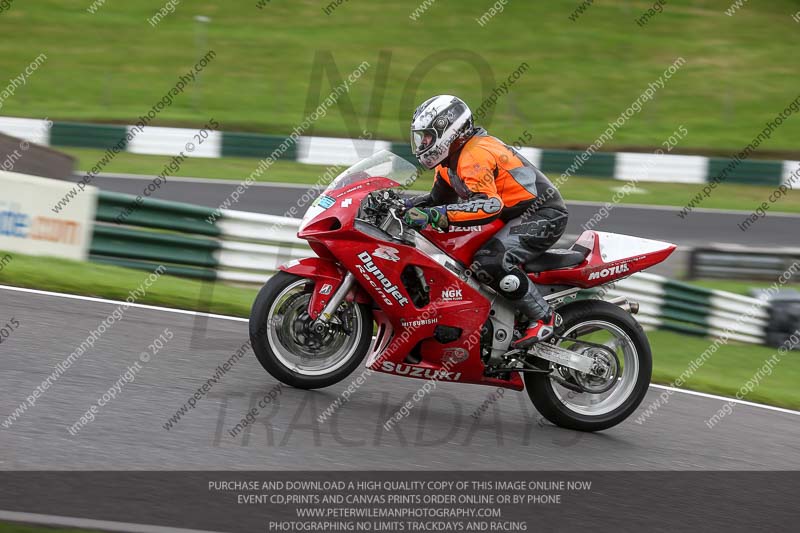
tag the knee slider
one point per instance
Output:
(488, 263)
(514, 284)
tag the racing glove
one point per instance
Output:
(419, 218)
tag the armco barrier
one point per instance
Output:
(338, 151)
(237, 246)
(684, 308)
(122, 209)
(127, 243)
(247, 248)
(731, 261)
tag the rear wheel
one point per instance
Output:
(613, 398)
(288, 348)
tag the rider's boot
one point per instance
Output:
(539, 331)
(543, 319)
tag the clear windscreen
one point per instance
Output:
(381, 164)
(384, 164)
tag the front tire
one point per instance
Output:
(293, 354)
(592, 320)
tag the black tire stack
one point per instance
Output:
(784, 318)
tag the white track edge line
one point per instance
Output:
(89, 523)
(238, 319)
(118, 302)
(727, 399)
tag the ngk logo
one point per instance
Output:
(606, 272)
(449, 295)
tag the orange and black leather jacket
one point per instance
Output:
(486, 180)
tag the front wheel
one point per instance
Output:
(286, 346)
(603, 323)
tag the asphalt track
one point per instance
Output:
(439, 434)
(701, 227)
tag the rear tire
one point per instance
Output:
(563, 408)
(278, 340)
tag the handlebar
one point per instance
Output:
(384, 210)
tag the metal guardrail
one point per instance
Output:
(740, 262)
(683, 308)
(237, 246)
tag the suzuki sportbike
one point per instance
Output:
(409, 303)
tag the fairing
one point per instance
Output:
(611, 256)
(461, 243)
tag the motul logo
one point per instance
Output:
(606, 272)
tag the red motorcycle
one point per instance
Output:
(312, 323)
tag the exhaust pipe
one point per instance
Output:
(623, 302)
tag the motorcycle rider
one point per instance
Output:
(478, 179)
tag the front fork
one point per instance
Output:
(326, 316)
(326, 275)
(330, 308)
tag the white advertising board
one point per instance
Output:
(40, 216)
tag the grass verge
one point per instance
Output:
(727, 370)
(581, 75)
(730, 367)
(107, 281)
(738, 286)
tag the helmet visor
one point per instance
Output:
(422, 140)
